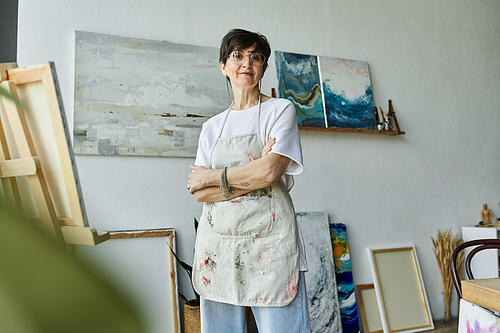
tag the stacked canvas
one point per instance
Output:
(330, 290)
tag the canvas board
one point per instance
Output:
(138, 97)
(370, 314)
(326, 91)
(400, 289)
(322, 296)
(347, 92)
(299, 81)
(474, 318)
(141, 264)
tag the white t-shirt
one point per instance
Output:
(278, 119)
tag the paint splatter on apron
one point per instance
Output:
(246, 250)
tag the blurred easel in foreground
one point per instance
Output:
(37, 167)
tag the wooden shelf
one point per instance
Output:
(350, 130)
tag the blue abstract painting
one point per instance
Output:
(343, 273)
(299, 81)
(348, 93)
(322, 295)
(326, 91)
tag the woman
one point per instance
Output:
(249, 251)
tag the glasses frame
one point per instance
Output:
(250, 58)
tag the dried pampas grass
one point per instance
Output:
(443, 248)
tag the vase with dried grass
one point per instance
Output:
(443, 248)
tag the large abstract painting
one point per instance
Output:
(345, 282)
(324, 309)
(327, 92)
(141, 97)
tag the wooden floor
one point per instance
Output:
(441, 327)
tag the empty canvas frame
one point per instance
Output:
(400, 290)
(140, 262)
(370, 313)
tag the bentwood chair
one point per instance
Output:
(481, 244)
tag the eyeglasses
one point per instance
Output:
(256, 59)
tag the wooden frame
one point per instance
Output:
(122, 256)
(370, 314)
(40, 136)
(400, 290)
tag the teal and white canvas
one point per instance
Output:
(347, 91)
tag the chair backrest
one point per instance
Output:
(481, 244)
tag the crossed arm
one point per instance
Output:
(205, 183)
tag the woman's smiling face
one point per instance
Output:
(244, 75)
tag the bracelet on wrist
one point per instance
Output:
(227, 191)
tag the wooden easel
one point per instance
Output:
(51, 182)
(392, 114)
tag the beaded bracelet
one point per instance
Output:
(227, 191)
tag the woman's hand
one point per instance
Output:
(269, 145)
(195, 181)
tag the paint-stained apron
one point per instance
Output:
(246, 250)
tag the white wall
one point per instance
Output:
(438, 61)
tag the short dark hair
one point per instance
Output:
(241, 39)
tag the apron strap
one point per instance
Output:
(225, 119)
(224, 124)
(220, 133)
(258, 123)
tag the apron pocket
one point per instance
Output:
(248, 216)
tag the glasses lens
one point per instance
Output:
(238, 57)
(257, 59)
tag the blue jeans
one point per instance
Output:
(226, 318)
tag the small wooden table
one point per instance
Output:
(483, 292)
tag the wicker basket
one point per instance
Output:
(192, 323)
